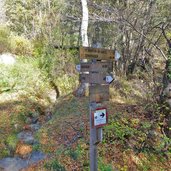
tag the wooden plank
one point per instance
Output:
(99, 93)
(84, 78)
(96, 53)
(97, 67)
(93, 78)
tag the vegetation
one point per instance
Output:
(38, 90)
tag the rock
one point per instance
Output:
(7, 59)
(52, 96)
(34, 120)
(17, 163)
(32, 127)
(13, 164)
(26, 137)
(35, 127)
(36, 156)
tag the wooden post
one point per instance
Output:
(93, 137)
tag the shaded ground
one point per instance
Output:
(133, 139)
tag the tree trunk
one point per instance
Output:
(84, 26)
(2, 12)
(84, 23)
(166, 94)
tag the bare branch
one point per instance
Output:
(160, 50)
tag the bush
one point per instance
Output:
(4, 39)
(15, 44)
(21, 45)
(24, 76)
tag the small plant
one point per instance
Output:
(22, 117)
(11, 142)
(36, 147)
(146, 125)
(73, 154)
(4, 152)
(54, 166)
(104, 167)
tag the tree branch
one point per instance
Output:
(162, 53)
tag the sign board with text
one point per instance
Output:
(97, 67)
(93, 78)
(100, 117)
(96, 53)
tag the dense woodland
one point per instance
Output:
(39, 91)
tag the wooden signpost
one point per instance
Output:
(96, 72)
(96, 67)
(96, 53)
(94, 78)
(98, 93)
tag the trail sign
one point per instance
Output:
(96, 78)
(100, 117)
(96, 53)
(98, 93)
(109, 79)
(96, 67)
(78, 67)
(93, 78)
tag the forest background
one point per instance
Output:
(44, 37)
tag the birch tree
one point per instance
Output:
(84, 23)
(2, 12)
(84, 38)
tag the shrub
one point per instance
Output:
(4, 39)
(21, 45)
(24, 76)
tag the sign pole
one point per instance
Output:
(93, 137)
(98, 76)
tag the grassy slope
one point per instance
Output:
(127, 141)
(131, 141)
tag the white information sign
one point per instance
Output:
(109, 79)
(78, 67)
(100, 117)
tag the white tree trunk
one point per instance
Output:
(2, 12)
(84, 24)
(81, 91)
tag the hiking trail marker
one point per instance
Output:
(100, 117)
(97, 72)
(96, 53)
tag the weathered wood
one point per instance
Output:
(99, 93)
(93, 140)
(97, 67)
(96, 53)
(93, 78)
